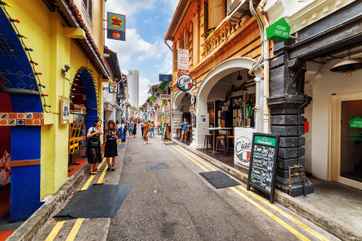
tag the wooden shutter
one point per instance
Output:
(216, 9)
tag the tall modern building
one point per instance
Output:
(133, 87)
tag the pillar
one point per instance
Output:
(287, 101)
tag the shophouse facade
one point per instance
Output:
(51, 75)
(315, 82)
(223, 43)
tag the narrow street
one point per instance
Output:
(169, 200)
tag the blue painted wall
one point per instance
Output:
(25, 142)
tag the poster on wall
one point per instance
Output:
(243, 143)
(64, 107)
(116, 26)
(182, 59)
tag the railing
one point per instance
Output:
(222, 33)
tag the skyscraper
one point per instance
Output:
(133, 87)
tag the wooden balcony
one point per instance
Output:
(222, 34)
(232, 24)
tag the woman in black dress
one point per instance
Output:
(94, 146)
(110, 149)
(135, 128)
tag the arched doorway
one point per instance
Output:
(226, 100)
(83, 108)
(20, 123)
(182, 117)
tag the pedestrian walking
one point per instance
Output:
(110, 149)
(152, 129)
(134, 129)
(94, 154)
(142, 128)
(146, 128)
(122, 132)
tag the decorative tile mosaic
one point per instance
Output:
(21, 119)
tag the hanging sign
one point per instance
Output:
(165, 77)
(112, 87)
(116, 26)
(262, 169)
(279, 30)
(182, 59)
(184, 83)
(165, 97)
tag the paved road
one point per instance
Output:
(169, 200)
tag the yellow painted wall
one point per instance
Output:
(52, 50)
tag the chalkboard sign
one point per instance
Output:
(263, 163)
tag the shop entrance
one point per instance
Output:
(83, 109)
(231, 107)
(349, 140)
(20, 127)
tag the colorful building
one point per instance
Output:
(51, 75)
(217, 76)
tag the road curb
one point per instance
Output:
(284, 199)
(28, 230)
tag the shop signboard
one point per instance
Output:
(64, 107)
(165, 77)
(262, 169)
(279, 30)
(355, 122)
(112, 87)
(116, 26)
(242, 146)
(182, 59)
(184, 83)
(165, 97)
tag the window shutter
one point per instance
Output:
(216, 12)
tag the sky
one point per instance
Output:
(144, 48)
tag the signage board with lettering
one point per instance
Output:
(279, 30)
(184, 83)
(182, 59)
(262, 168)
(165, 77)
(116, 26)
(243, 138)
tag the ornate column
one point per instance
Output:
(287, 102)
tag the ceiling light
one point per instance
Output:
(347, 65)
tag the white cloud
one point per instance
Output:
(145, 85)
(136, 52)
(128, 7)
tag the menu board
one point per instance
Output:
(263, 163)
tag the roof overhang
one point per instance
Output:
(177, 18)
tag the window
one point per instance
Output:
(88, 8)
(206, 18)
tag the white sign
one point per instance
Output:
(165, 97)
(182, 59)
(242, 146)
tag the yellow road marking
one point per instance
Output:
(87, 183)
(59, 225)
(75, 229)
(291, 217)
(54, 233)
(278, 220)
(240, 191)
(101, 179)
